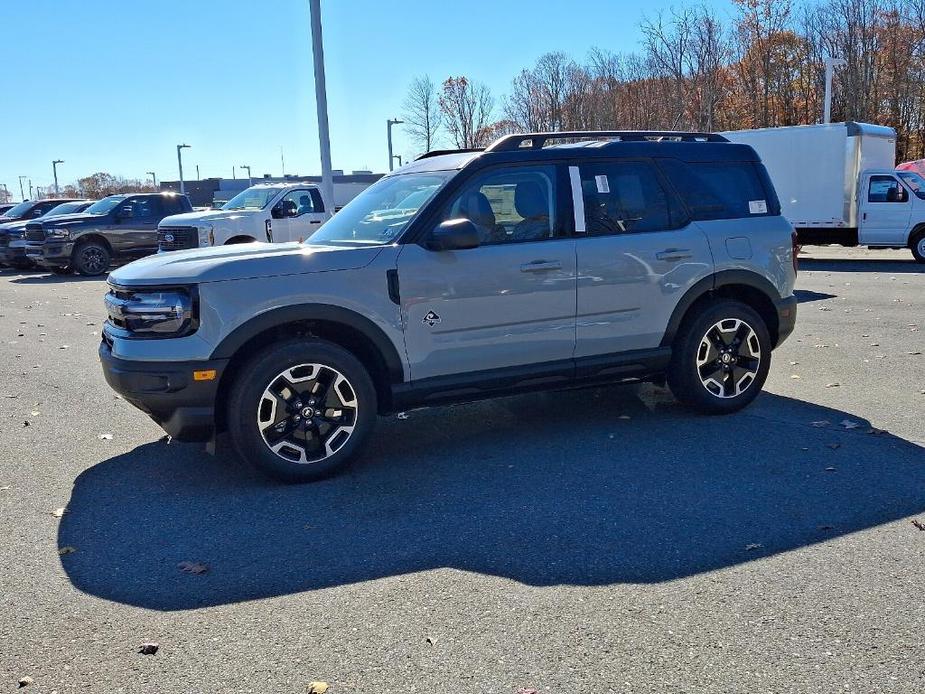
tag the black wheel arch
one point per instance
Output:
(743, 285)
(354, 332)
(93, 237)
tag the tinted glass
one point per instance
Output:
(626, 197)
(172, 204)
(66, 208)
(509, 205)
(145, 208)
(105, 205)
(722, 190)
(302, 199)
(19, 210)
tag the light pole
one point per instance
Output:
(250, 181)
(321, 101)
(54, 168)
(22, 193)
(180, 164)
(830, 65)
(390, 122)
(153, 177)
(30, 189)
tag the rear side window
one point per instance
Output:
(622, 197)
(172, 204)
(722, 190)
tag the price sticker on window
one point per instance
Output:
(758, 206)
(603, 185)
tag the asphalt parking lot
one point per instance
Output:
(588, 541)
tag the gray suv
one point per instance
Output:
(543, 261)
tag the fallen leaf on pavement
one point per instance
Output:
(821, 423)
(318, 687)
(918, 524)
(66, 550)
(753, 545)
(105, 437)
(527, 690)
(848, 424)
(795, 377)
(193, 567)
(832, 385)
(148, 648)
(25, 681)
(58, 512)
(830, 469)
(826, 527)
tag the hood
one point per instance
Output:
(240, 261)
(191, 218)
(64, 220)
(13, 228)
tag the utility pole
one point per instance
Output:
(830, 65)
(180, 164)
(197, 173)
(389, 123)
(30, 189)
(22, 193)
(321, 101)
(153, 177)
(54, 168)
(250, 180)
(282, 160)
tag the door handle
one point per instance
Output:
(541, 266)
(315, 222)
(673, 254)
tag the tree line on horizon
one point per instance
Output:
(764, 67)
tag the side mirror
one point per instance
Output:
(284, 209)
(454, 235)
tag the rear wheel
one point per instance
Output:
(720, 358)
(917, 244)
(91, 259)
(301, 410)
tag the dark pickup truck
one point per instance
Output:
(12, 244)
(118, 227)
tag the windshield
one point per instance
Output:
(914, 181)
(65, 208)
(251, 199)
(105, 205)
(380, 213)
(19, 210)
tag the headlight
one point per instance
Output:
(154, 312)
(58, 233)
(205, 235)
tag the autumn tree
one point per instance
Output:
(422, 112)
(467, 107)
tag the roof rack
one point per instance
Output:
(441, 152)
(538, 140)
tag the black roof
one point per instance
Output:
(686, 146)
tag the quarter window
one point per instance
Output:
(626, 197)
(722, 190)
(509, 205)
(886, 189)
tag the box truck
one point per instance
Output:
(837, 184)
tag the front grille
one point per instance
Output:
(33, 234)
(177, 238)
(4, 240)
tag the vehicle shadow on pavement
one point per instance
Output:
(885, 266)
(56, 279)
(544, 489)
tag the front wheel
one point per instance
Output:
(720, 358)
(301, 410)
(91, 259)
(917, 244)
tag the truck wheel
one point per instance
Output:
(720, 358)
(91, 259)
(301, 410)
(917, 244)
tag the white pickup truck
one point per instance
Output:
(274, 212)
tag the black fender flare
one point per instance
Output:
(705, 286)
(273, 318)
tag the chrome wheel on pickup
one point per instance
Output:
(301, 409)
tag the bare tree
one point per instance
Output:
(422, 112)
(467, 108)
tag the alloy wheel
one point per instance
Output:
(307, 413)
(92, 260)
(728, 358)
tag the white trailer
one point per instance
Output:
(837, 184)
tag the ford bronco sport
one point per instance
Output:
(608, 257)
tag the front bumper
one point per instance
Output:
(14, 253)
(167, 392)
(50, 253)
(786, 317)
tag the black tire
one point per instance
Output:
(91, 259)
(917, 245)
(248, 402)
(22, 264)
(719, 385)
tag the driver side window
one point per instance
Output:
(302, 200)
(509, 205)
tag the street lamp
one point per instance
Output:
(153, 177)
(22, 193)
(250, 181)
(321, 102)
(390, 122)
(830, 65)
(54, 168)
(180, 164)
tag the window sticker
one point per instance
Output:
(603, 185)
(758, 206)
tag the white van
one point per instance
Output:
(274, 212)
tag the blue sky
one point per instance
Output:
(114, 85)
